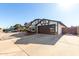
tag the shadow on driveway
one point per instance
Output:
(39, 39)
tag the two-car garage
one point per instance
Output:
(47, 29)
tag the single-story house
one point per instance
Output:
(46, 26)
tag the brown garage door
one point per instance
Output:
(47, 29)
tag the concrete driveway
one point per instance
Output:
(41, 45)
(8, 48)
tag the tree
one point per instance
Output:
(11, 28)
(25, 26)
(17, 27)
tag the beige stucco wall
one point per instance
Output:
(60, 28)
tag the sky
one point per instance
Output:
(19, 13)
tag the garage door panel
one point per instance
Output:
(46, 29)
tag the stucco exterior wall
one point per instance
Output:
(60, 28)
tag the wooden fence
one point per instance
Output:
(70, 30)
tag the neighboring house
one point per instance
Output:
(45, 26)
